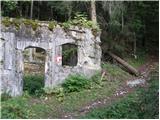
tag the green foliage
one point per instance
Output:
(114, 26)
(72, 101)
(140, 60)
(142, 104)
(52, 25)
(6, 21)
(58, 91)
(81, 21)
(75, 83)
(33, 23)
(63, 8)
(9, 6)
(15, 108)
(17, 22)
(67, 53)
(149, 99)
(34, 84)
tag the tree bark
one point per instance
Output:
(31, 51)
(93, 11)
(135, 46)
(122, 20)
(31, 10)
(130, 68)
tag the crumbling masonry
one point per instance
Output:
(14, 41)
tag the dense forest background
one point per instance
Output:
(127, 27)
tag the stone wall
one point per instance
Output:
(13, 42)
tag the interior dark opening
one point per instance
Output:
(69, 55)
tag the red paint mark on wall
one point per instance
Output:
(58, 59)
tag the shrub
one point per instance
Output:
(80, 19)
(58, 91)
(75, 83)
(33, 84)
(15, 108)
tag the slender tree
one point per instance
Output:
(93, 11)
(31, 10)
(31, 51)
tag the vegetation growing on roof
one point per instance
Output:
(17, 22)
(81, 21)
(7, 22)
(52, 25)
(33, 23)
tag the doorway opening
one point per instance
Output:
(34, 70)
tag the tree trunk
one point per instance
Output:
(26, 11)
(125, 64)
(135, 46)
(122, 20)
(31, 10)
(38, 10)
(110, 9)
(93, 11)
(31, 51)
(20, 9)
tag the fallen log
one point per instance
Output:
(130, 68)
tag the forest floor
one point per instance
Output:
(122, 90)
(78, 104)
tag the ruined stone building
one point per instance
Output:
(14, 41)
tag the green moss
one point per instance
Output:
(6, 21)
(66, 25)
(79, 20)
(32, 23)
(52, 25)
(16, 23)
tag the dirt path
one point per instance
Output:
(122, 91)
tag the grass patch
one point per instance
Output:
(141, 59)
(48, 106)
(142, 104)
(15, 108)
(114, 72)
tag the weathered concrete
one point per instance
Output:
(13, 42)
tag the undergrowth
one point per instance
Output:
(140, 59)
(16, 108)
(76, 91)
(76, 83)
(80, 20)
(33, 84)
(142, 104)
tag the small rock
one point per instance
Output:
(135, 83)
